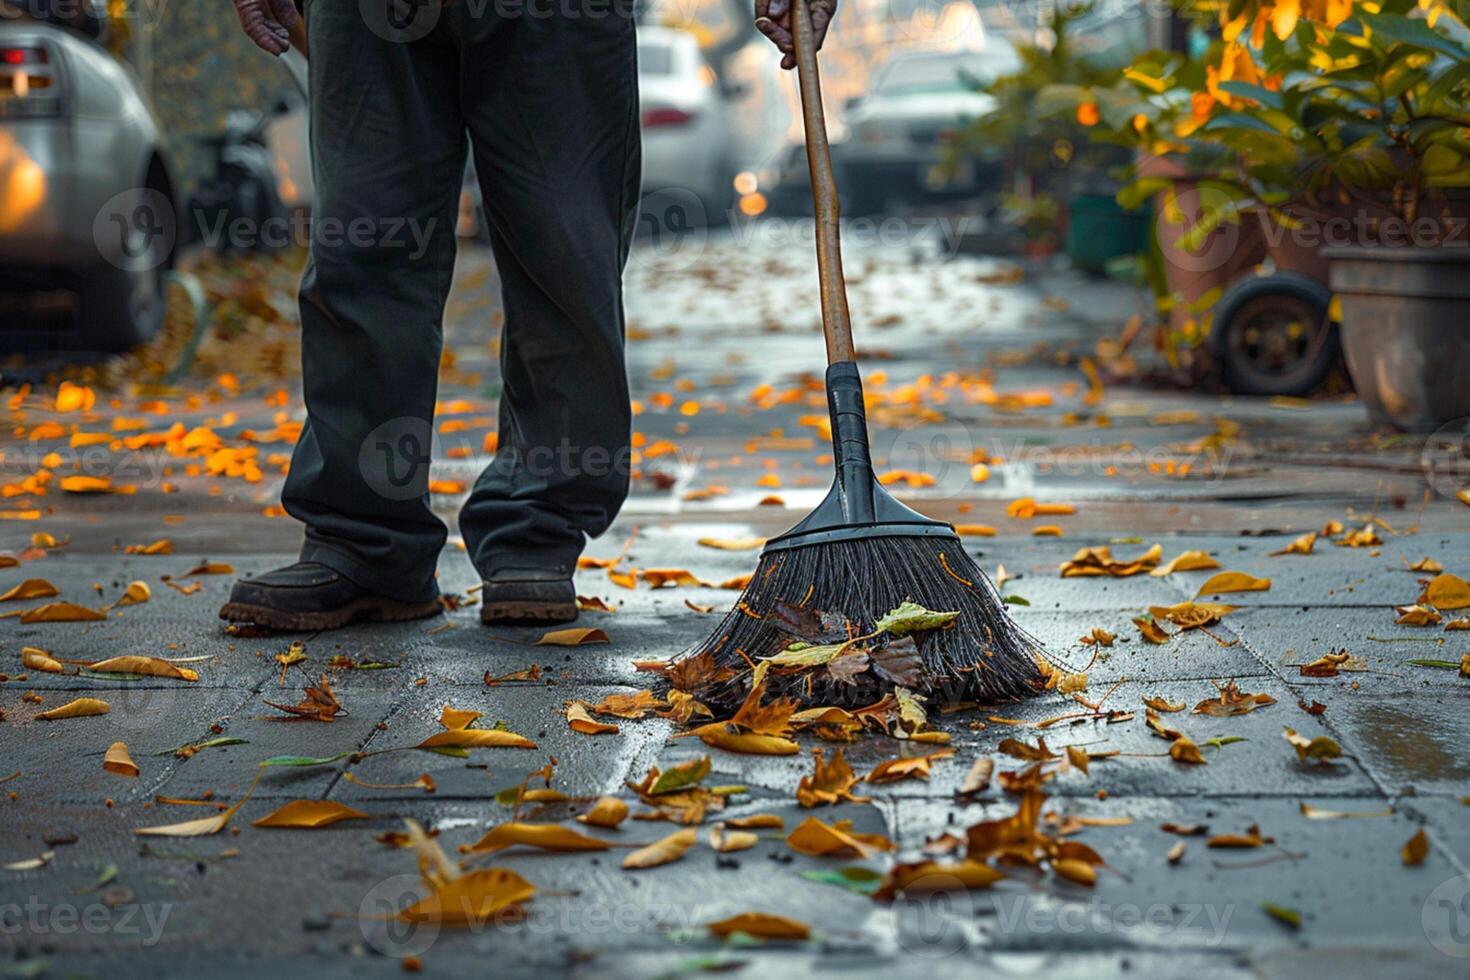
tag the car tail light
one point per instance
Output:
(29, 85)
(654, 118)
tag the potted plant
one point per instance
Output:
(1352, 141)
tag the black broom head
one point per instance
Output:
(864, 596)
(818, 595)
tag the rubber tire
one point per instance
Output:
(120, 310)
(1243, 377)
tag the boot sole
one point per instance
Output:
(370, 609)
(511, 613)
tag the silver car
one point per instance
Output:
(899, 130)
(87, 207)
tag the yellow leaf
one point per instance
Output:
(820, 839)
(137, 592)
(473, 898)
(1416, 849)
(575, 637)
(733, 544)
(456, 718)
(637, 705)
(664, 850)
(761, 925)
(163, 546)
(1448, 591)
(143, 666)
(757, 821)
(61, 612)
(209, 568)
(1186, 561)
(579, 720)
(929, 877)
(545, 836)
(117, 760)
(608, 811)
(1300, 546)
(37, 659)
(80, 708)
(1160, 704)
(657, 578)
(1074, 870)
(309, 814)
(204, 825)
(721, 737)
(1233, 582)
(476, 738)
(725, 841)
(974, 530)
(31, 588)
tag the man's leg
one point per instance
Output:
(552, 107)
(388, 155)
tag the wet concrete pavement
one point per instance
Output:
(966, 363)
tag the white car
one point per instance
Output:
(87, 207)
(898, 131)
(688, 151)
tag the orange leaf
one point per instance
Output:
(309, 814)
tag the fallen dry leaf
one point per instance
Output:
(663, 851)
(761, 925)
(1300, 546)
(1415, 849)
(80, 708)
(476, 738)
(62, 612)
(1318, 749)
(724, 840)
(31, 588)
(930, 877)
(574, 637)
(1186, 561)
(544, 836)
(1232, 702)
(820, 839)
(829, 784)
(308, 815)
(35, 658)
(608, 811)
(1446, 592)
(1233, 582)
(579, 720)
(143, 667)
(119, 761)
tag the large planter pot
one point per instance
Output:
(1099, 230)
(1406, 331)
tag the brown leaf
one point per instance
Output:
(820, 839)
(977, 780)
(62, 612)
(724, 841)
(912, 767)
(1447, 591)
(1160, 704)
(1316, 749)
(637, 705)
(1186, 561)
(318, 702)
(898, 661)
(1232, 702)
(830, 783)
(37, 659)
(761, 925)
(1183, 749)
(143, 667)
(930, 877)
(1300, 546)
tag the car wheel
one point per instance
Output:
(121, 309)
(1272, 335)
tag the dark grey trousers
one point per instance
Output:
(547, 96)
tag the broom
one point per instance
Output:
(861, 554)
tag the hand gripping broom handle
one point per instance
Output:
(844, 385)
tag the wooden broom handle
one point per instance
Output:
(836, 321)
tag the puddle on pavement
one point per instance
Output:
(1402, 743)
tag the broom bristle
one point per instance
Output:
(982, 657)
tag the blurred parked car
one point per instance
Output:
(898, 131)
(687, 144)
(86, 201)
